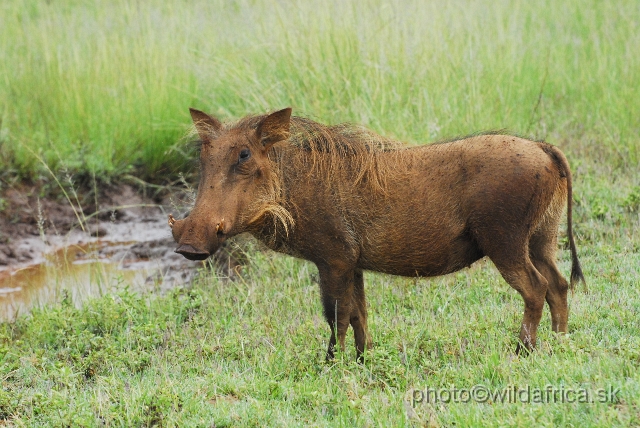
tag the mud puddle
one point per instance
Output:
(135, 251)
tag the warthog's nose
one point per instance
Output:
(191, 252)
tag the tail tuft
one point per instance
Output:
(576, 269)
(563, 166)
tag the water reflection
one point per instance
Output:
(90, 269)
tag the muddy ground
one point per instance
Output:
(31, 226)
(122, 227)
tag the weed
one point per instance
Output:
(632, 202)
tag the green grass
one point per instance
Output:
(251, 352)
(103, 87)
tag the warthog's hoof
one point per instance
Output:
(524, 350)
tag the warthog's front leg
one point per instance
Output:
(337, 289)
(359, 316)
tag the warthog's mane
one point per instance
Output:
(337, 158)
(344, 155)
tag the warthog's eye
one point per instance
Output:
(244, 156)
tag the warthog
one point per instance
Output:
(350, 200)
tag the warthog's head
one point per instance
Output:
(237, 185)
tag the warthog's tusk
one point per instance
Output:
(171, 220)
(220, 226)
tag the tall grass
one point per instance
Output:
(104, 86)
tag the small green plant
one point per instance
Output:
(599, 209)
(632, 202)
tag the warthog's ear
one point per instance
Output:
(274, 128)
(205, 124)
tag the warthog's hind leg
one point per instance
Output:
(532, 286)
(542, 249)
(556, 295)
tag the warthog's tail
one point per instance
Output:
(560, 159)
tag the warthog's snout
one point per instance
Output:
(191, 252)
(196, 240)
